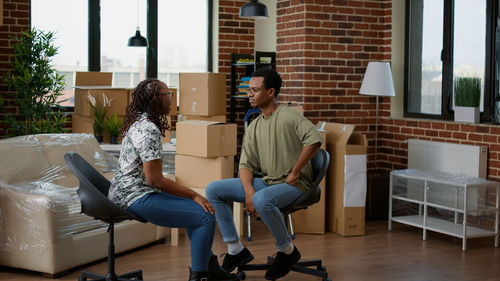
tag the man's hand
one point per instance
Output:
(249, 203)
(291, 179)
(204, 203)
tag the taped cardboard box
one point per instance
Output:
(93, 78)
(312, 219)
(205, 138)
(198, 172)
(346, 185)
(202, 94)
(214, 118)
(119, 98)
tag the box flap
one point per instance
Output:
(338, 134)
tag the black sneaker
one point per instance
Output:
(230, 262)
(216, 273)
(282, 264)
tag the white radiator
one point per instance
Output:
(457, 159)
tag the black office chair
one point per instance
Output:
(319, 163)
(93, 194)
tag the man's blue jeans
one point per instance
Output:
(267, 201)
(172, 211)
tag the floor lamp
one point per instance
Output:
(377, 82)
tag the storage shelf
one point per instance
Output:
(443, 226)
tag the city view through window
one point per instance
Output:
(182, 39)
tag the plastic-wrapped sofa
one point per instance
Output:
(41, 227)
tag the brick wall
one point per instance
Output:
(236, 36)
(323, 48)
(15, 20)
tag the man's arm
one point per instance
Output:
(246, 178)
(306, 155)
(154, 176)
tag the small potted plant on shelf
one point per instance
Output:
(99, 113)
(467, 99)
(113, 125)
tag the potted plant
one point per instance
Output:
(467, 99)
(113, 126)
(99, 112)
(37, 84)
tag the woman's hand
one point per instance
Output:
(204, 203)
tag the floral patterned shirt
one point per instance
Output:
(142, 143)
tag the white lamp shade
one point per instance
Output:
(378, 80)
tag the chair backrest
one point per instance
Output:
(319, 164)
(93, 192)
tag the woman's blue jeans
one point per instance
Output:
(172, 211)
(267, 201)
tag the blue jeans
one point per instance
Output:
(172, 211)
(267, 201)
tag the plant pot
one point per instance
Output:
(113, 140)
(99, 139)
(466, 114)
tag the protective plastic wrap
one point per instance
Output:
(444, 196)
(38, 200)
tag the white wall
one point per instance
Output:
(265, 29)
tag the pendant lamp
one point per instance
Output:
(253, 10)
(137, 40)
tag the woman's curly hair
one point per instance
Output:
(146, 99)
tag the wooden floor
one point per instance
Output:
(379, 255)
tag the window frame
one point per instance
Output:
(447, 63)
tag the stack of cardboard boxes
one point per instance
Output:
(205, 145)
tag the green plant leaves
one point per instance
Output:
(467, 91)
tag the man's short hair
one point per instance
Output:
(271, 79)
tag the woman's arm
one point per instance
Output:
(154, 176)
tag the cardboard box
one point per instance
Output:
(118, 104)
(346, 185)
(205, 138)
(202, 94)
(312, 219)
(195, 171)
(214, 118)
(93, 78)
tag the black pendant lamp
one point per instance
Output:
(137, 40)
(253, 10)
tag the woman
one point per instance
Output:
(139, 185)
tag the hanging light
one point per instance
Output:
(137, 40)
(253, 10)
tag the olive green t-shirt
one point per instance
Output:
(273, 144)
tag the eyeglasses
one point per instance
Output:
(252, 90)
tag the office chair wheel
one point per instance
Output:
(242, 275)
(321, 267)
(81, 278)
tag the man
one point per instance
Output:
(278, 144)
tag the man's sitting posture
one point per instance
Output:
(278, 144)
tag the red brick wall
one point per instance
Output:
(15, 20)
(236, 36)
(323, 48)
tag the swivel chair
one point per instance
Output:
(93, 194)
(319, 163)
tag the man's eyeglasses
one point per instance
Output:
(252, 90)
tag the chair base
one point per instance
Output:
(134, 275)
(301, 267)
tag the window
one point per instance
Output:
(447, 39)
(181, 28)
(68, 28)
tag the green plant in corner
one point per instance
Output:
(37, 86)
(99, 111)
(113, 125)
(467, 91)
